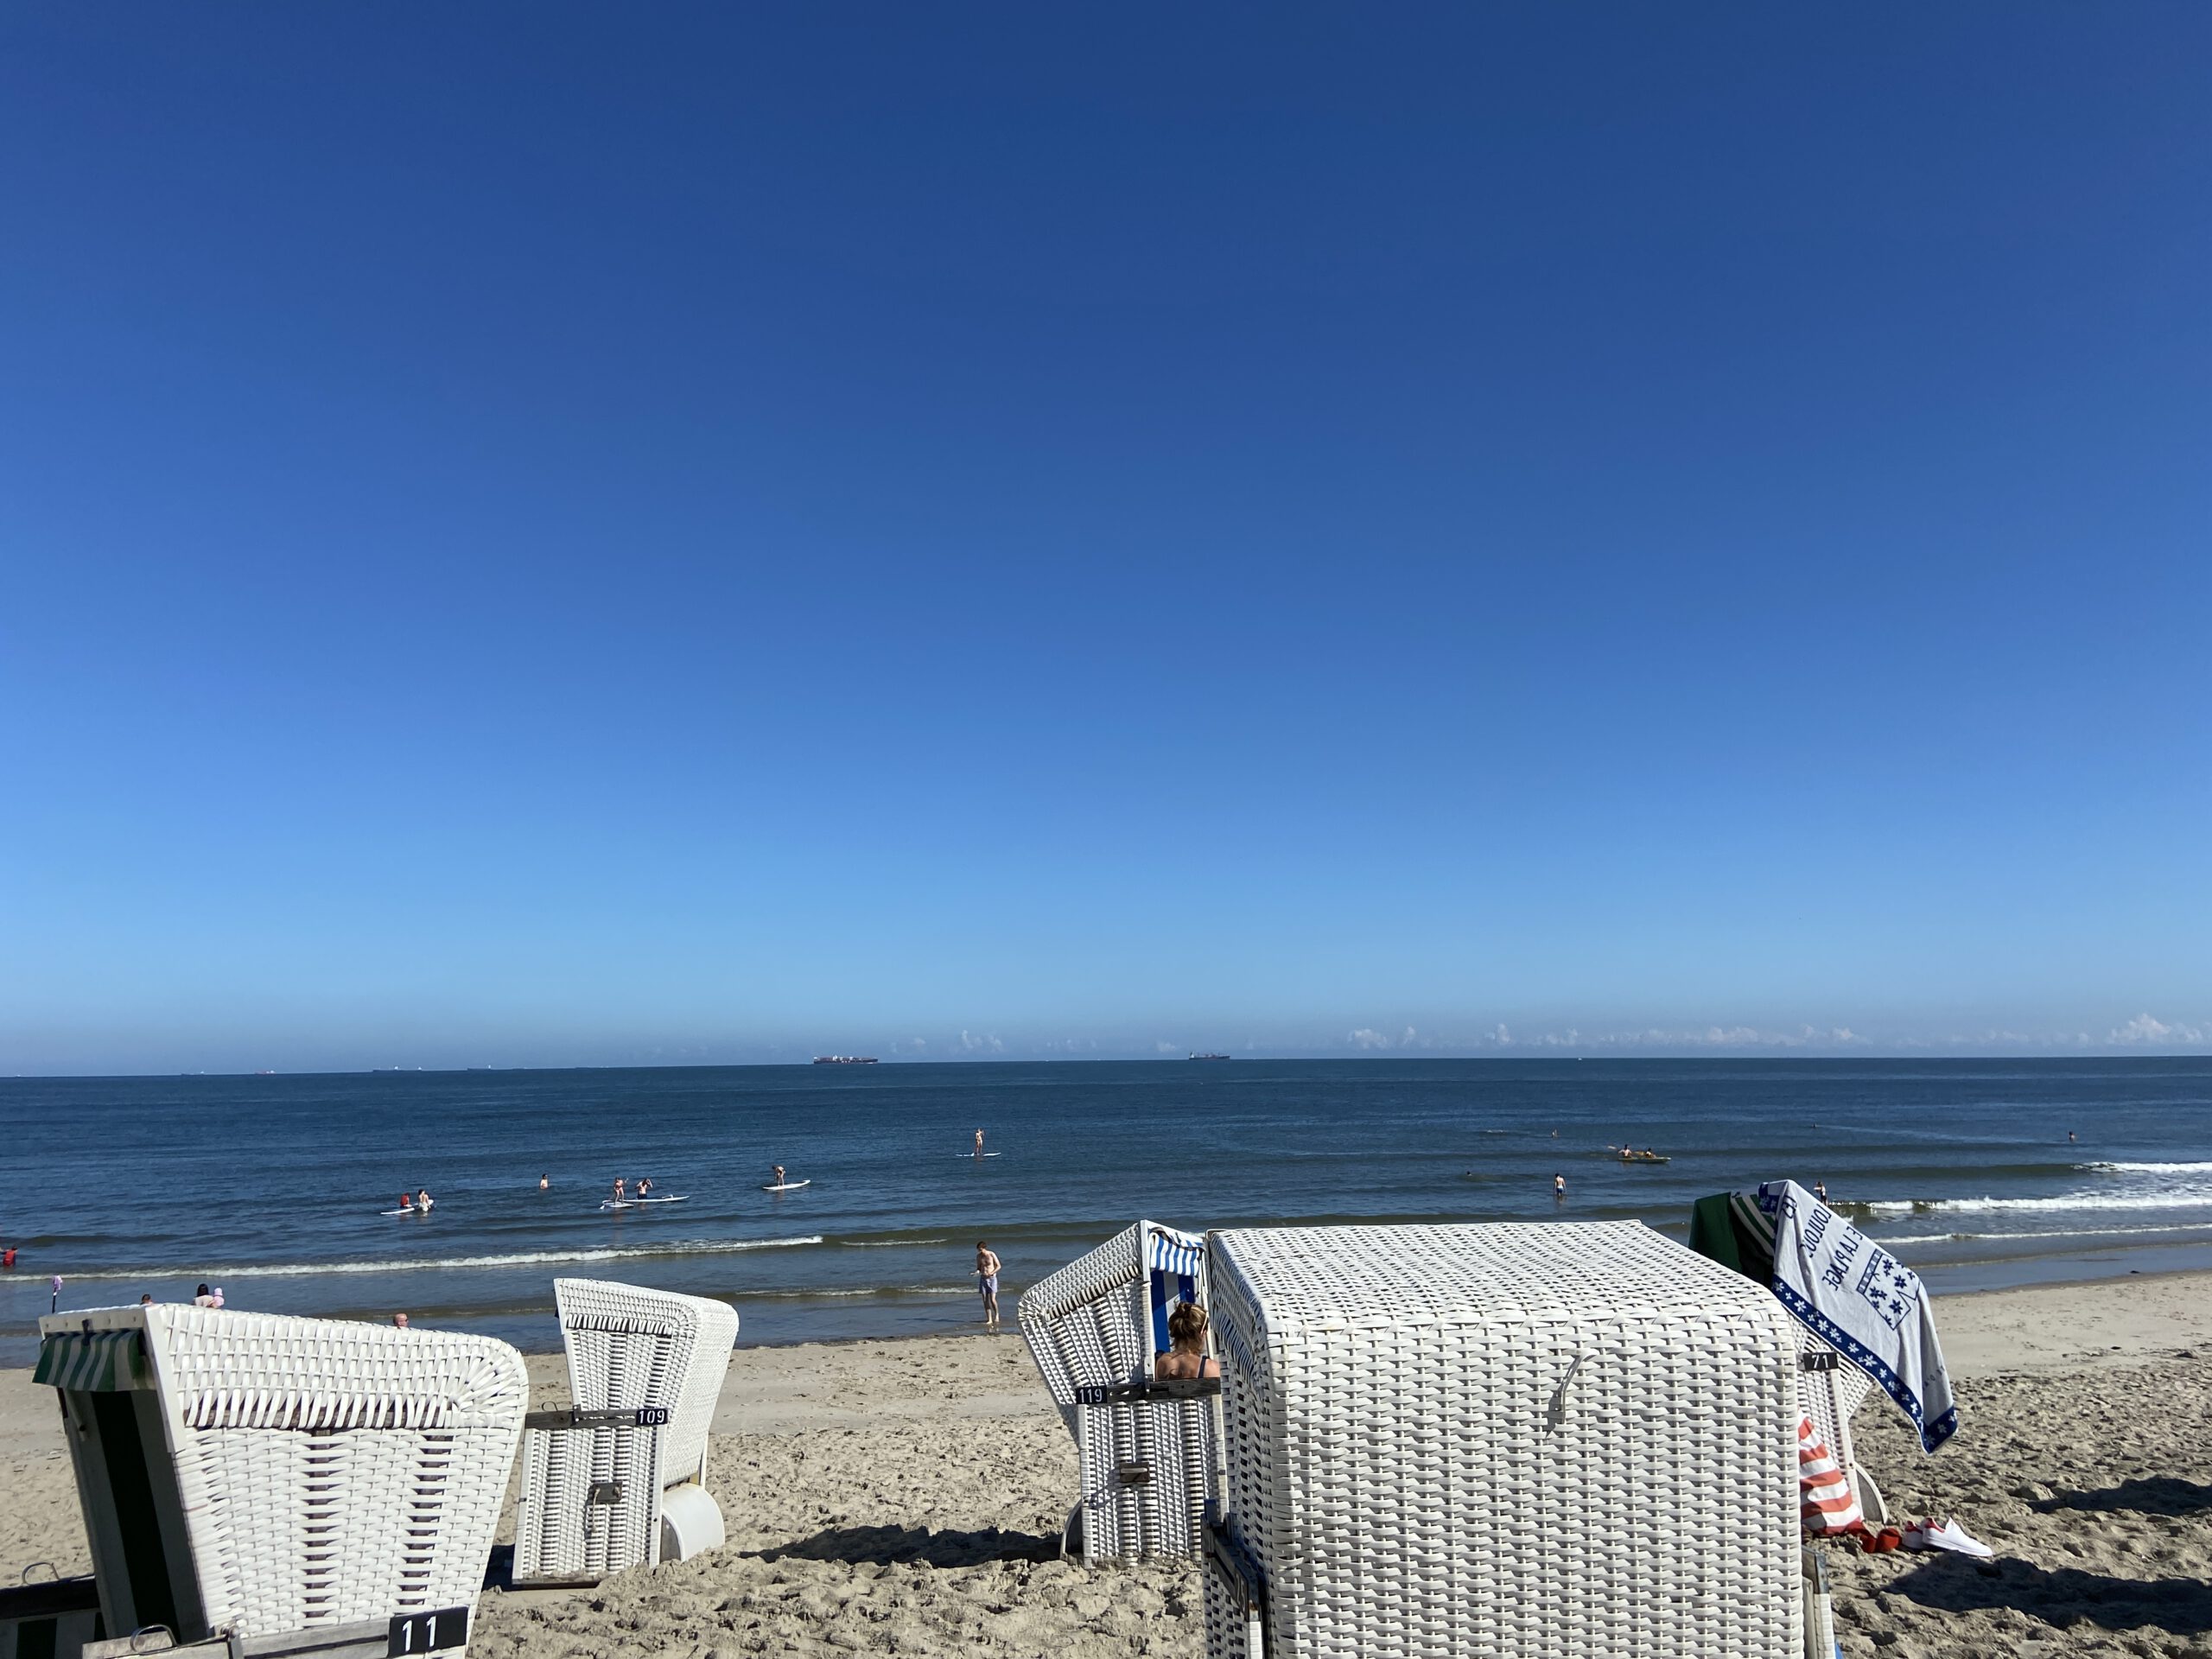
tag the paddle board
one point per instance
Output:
(631, 1203)
(412, 1210)
(787, 1186)
(976, 1154)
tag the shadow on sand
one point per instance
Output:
(2061, 1597)
(883, 1546)
(2158, 1494)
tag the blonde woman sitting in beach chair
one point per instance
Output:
(1119, 1336)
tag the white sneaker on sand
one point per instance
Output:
(1946, 1535)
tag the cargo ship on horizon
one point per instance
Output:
(844, 1060)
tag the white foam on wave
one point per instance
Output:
(887, 1243)
(2194, 1198)
(2147, 1169)
(2038, 1238)
(433, 1264)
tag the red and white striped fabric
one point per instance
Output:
(1825, 1503)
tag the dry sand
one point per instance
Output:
(906, 1497)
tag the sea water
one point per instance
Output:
(271, 1187)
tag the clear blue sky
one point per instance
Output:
(537, 534)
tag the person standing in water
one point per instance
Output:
(422, 1200)
(543, 1182)
(1559, 1188)
(987, 1279)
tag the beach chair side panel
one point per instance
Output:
(590, 1503)
(329, 1481)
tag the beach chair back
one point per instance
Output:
(630, 1347)
(273, 1477)
(620, 1479)
(1145, 1449)
(1515, 1440)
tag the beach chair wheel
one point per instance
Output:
(690, 1522)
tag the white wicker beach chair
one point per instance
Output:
(293, 1483)
(1535, 1439)
(620, 1480)
(1146, 1448)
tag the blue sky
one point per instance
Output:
(547, 535)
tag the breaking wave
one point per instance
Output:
(432, 1264)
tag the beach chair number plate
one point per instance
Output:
(1093, 1394)
(653, 1416)
(428, 1632)
(1822, 1362)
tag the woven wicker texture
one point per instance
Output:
(561, 1535)
(1163, 1514)
(629, 1347)
(1510, 1440)
(331, 1472)
(1090, 1325)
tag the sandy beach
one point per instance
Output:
(906, 1497)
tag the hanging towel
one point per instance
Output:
(1825, 1503)
(1856, 1297)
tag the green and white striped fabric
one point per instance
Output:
(96, 1361)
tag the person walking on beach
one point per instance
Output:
(987, 1278)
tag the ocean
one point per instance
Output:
(272, 1187)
